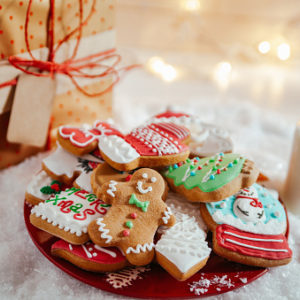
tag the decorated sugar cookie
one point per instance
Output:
(105, 173)
(153, 145)
(182, 250)
(70, 169)
(90, 257)
(249, 227)
(42, 187)
(212, 178)
(206, 139)
(137, 211)
(80, 141)
(68, 214)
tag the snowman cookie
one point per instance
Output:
(153, 145)
(137, 211)
(212, 178)
(90, 257)
(70, 169)
(182, 250)
(105, 173)
(206, 139)
(84, 140)
(41, 188)
(68, 214)
(249, 227)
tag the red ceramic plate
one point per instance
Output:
(217, 277)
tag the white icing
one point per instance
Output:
(153, 179)
(252, 239)
(84, 182)
(53, 214)
(37, 182)
(141, 189)
(104, 234)
(111, 253)
(145, 175)
(112, 188)
(140, 248)
(117, 149)
(167, 215)
(88, 254)
(272, 227)
(184, 243)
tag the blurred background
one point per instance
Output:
(216, 51)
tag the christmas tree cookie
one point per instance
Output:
(249, 227)
(212, 178)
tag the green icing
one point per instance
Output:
(135, 201)
(129, 224)
(207, 179)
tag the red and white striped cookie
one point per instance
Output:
(153, 145)
(80, 141)
(90, 257)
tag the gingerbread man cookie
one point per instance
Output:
(153, 145)
(68, 214)
(90, 257)
(70, 169)
(104, 173)
(137, 211)
(212, 178)
(206, 139)
(80, 141)
(249, 227)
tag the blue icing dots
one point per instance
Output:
(272, 207)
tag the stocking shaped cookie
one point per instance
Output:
(153, 145)
(212, 178)
(206, 139)
(137, 211)
(70, 169)
(104, 173)
(80, 141)
(249, 227)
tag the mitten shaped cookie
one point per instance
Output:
(137, 211)
(212, 178)
(153, 145)
(80, 141)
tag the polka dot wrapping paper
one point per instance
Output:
(70, 106)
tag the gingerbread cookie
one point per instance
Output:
(206, 139)
(42, 187)
(249, 227)
(182, 250)
(90, 257)
(153, 145)
(212, 178)
(80, 141)
(136, 213)
(68, 214)
(70, 169)
(104, 173)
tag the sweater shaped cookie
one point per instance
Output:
(80, 141)
(137, 211)
(153, 145)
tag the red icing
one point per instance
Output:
(170, 114)
(55, 187)
(82, 137)
(133, 215)
(173, 130)
(128, 177)
(126, 232)
(100, 258)
(279, 248)
(153, 140)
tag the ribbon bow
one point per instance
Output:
(135, 201)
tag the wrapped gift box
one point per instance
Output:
(71, 104)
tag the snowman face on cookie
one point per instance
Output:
(247, 206)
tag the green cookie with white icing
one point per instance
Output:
(212, 178)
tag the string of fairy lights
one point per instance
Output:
(264, 51)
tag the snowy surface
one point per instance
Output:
(263, 135)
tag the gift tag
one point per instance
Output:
(31, 110)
